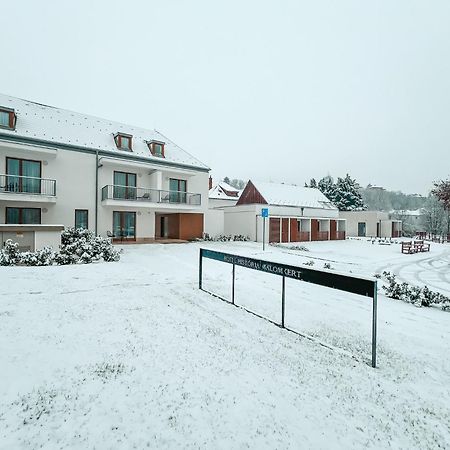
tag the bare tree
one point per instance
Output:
(441, 191)
(434, 215)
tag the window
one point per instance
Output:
(7, 118)
(23, 216)
(124, 185)
(178, 189)
(124, 225)
(23, 175)
(361, 229)
(156, 148)
(123, 141)
(81, 218)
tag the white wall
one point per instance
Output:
(371, 219)
(241, 220)
(215, 222)
(47, 239)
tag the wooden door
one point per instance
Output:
(274, 230)
(294, 230)
(314, 229)
(333, 230)
(284, 230)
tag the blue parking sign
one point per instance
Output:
(265, 212)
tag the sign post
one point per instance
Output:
(356, 285)
(264, 215)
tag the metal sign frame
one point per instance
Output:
(355, 285)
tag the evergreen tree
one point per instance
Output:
(328, 188)
(347, 196)
(312, 183)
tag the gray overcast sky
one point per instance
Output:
(279, 90)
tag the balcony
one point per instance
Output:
(149, 197)
(29, 189)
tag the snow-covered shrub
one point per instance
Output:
(309, 263)
(414, 294)
(297, 247)
(224, 238)
(79, 245)
(43, 257)
(327, 266)
(9, 254)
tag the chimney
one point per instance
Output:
(210, 182)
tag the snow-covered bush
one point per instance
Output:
(79, 245)
(224, 238)
(309, 263)
(44, 257)
(327, 266)
(297, 247)
(414, 294)
(9, 254)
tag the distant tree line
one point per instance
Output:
(235, 182)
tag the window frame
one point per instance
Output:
(151, 146)
(12, 118)
(21, 215)
(87, 218)
(118, 140)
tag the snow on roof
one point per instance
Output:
(227, 187)
(290, 195)
(219, 191)
(47, 123)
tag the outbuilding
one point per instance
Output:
(371, 223)
(296, 214)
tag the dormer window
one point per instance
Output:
(156, 148)
(7, 118)
(123, 141)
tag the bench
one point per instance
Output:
(408, 248)
(420, 246)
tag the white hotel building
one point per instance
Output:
(62, 168)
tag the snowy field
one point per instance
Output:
(133, 355)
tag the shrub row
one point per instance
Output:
(298, 247)
(414, 294)
(224, 238)
(78, 246)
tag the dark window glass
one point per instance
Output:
(124, 225)
(124, 185)
(178, 190)
(81, 218)
(26, 216)
(23, 175)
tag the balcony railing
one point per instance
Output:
(18, 184)
(116, 192)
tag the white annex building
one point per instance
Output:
(295, 214)
(371, 224)
(62, 168)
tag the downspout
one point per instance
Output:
(96, 192)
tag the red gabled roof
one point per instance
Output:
(250, 195)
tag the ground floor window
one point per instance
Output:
(24, 216)
(81, 218)
(361, 229)
(124, 225)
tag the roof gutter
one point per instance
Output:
(97, 152)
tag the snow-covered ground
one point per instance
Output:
(133, 355)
